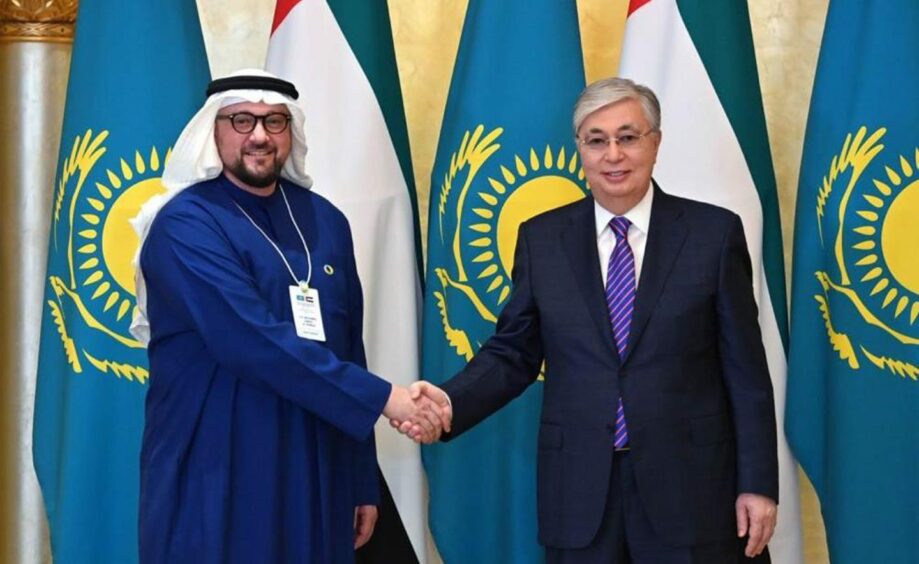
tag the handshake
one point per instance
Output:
(422, 411)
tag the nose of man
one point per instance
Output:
(259, 140)
(259, 134)
(613, 152)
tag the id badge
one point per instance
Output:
(307, 313)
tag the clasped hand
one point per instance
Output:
(422, 411)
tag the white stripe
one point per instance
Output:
(353, 163)
(700, 158)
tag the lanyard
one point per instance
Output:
(304, 284)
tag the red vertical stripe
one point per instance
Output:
(633, 5)
(281, 10)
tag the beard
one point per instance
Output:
(256, 179)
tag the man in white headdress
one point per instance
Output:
(258, 445)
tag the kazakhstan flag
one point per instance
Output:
(853, 377)
(138, 73)
(506, 153)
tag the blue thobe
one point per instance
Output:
(258, 444)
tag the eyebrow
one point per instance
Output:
(626, 127)
(251, 113)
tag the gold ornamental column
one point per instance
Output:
(35, 43)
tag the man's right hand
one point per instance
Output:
(435, 410)
(416, 414)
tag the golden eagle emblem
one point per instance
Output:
(869, 225)
(92, 298)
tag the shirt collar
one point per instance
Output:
(639, 215)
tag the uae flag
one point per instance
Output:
(698, 58)
(340, 56)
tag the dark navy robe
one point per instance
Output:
(258, 443)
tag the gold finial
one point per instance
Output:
(37, 20)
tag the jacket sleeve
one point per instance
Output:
(744, 368)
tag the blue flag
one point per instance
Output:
(506, 153)
(853, 383)
(138, 73)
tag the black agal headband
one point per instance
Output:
(252, 83)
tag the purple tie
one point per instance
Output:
(620, 299)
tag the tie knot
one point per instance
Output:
(620, 226)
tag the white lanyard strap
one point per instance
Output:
(302, 283)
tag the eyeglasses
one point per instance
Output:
(244, 122)
(600, 143)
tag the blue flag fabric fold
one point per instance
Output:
(138, 72)
(853, 384)
(506, 153)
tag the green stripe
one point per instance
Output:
(367, 29)
(720, 30)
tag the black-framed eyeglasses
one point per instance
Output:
(244, 122)
(627, 140)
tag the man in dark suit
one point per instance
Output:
(657, 440)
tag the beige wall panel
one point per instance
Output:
(235, 33)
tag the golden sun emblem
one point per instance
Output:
(478, 225)
(531, 188)
(887, 239)
(875, 242)
(94, 295)
(106, 241)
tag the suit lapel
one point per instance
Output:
(579, 244)
(666, 235)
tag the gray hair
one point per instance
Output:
(612, 90)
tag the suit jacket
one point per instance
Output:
(695, 385)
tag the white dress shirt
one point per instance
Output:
(640, 216)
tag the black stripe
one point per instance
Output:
(252, 83)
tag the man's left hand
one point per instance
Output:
(365, 518)
(756, 515)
